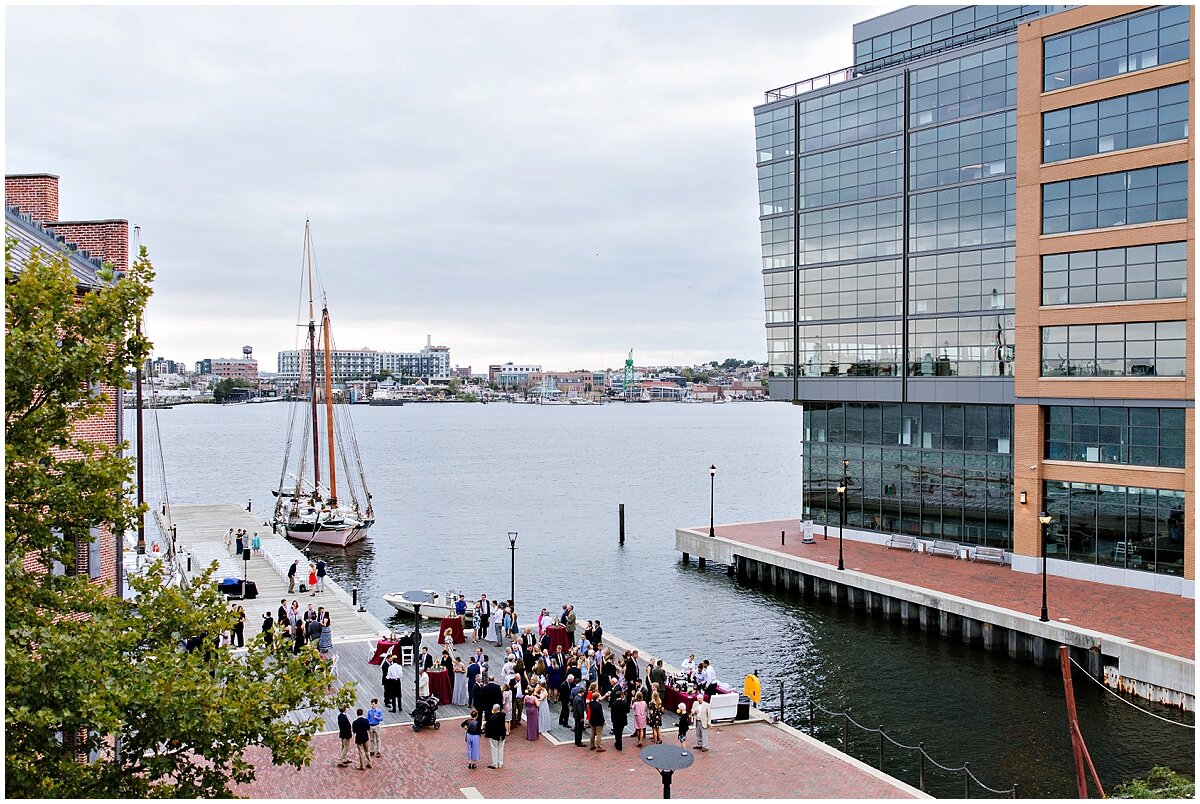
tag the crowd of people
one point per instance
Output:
(298, 628)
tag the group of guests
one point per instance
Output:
(315, 579)
(364, 731)
(236, 541)
(298, 627)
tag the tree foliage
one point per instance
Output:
(1161, 782)
(224, 388)
(86, 672)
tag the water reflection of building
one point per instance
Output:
(975, 260)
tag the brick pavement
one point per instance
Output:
(750, 760)
(1151, 619)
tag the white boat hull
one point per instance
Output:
(434, 611)
(335, 537)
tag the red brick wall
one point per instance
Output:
(36, 195)
(108, 240)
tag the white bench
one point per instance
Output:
(992, 554)
(903, 542)
(941, 548)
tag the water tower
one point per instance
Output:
(247, 352)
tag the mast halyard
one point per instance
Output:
(312, 365)
(333, 498)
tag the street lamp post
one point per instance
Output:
(417, 598)
(841, 490)
(712, 495)
(512, 588)
(1045, 520)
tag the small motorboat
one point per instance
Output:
(442, 606)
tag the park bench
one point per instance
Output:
(940, 548)
(993, 554)
(903, 542)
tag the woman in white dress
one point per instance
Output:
(544, 721)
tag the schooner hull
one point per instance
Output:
(334, 537)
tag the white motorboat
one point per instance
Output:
(442, 606)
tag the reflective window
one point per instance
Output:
(780, 345)
(853, 349)
(861, 112)
(857, 290)
(1140, 436)
(974, 215)
(1154, 271)
(1117, 46)
(966, 346)
(946, 30)
(853, 232)
(962, 281)
(935, 471)
(774, 133)
(1149, 349)
(1156, 193)
(775, 188)
(963, 87)
(779, 288)
(1118, 526)
(1114, 124)
(979, 148)
(777, 242)
(861, 171)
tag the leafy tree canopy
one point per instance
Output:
(1161, 782)
(86, 672)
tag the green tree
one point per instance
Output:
(224, 388)
(1161, 782)
(86, 672)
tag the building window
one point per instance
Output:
(94, 561)
(938, 471)
(852, 349)
(1157, 193)
(862, 112)
(1117, 46)
(967, 346)
(964, 87)
(1136, 273)
(777, 242)
(779, 289)
(857, 290)
(1116, 526)
(962, 25)
(978, 148)
(780, 345)
(866, 170)
(853, 232)
(1150, 349)
(774, 133)
(775, 188)
(973, 215)
(962, 281)
(1114, 124)
(1139, 436)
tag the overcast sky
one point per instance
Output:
(547, 185)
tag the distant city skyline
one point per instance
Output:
(551, 185)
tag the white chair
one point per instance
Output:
(406, 655)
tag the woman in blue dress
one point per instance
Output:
(554, 674)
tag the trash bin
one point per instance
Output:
(743, 709)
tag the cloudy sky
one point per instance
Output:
(548, 185)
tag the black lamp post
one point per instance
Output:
(712, 494)
(1045, 520)
(512, 579)
(666, 760)
(841, 490)
(417, 598)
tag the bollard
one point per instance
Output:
(1015, 790)
(354, 596)
(621, 516)
(881, 746)
(189, 562)
(782, 719)
(921, 771)
(164, 509)
(783, 537)
(966, 780)
(812, 718)
(249, 503)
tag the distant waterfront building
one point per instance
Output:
(976, 254)
(31, 218)
(510, 375)
(431, 362)
(568, 382)
(230, 368)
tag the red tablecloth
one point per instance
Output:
(673, 697)
(558, 638)
(381, 648)
(441, 685)
(454, 624)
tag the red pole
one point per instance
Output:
(1088, 758)
(1064, 655)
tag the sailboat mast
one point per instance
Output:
(312, 363)
(329, 408)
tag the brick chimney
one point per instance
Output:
(35, 194)
(108, 240)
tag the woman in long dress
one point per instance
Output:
(639, 718)
(459, 696)
(531, 716)
(325, 643)
(544, 721)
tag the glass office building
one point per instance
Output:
(903, 200)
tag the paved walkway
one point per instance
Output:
(1152, 619)
(749, 760)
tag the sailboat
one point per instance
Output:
(309, 507)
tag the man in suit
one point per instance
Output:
(619, 710)
(281, 614)
(579, 710)
(320, 575)
(494, 730)
(268, 629)
(595, 712)
(633, 673)
(598, 634)
(472, 681)
(426, 659)
(345, 732)
(362, 735)
(487, 696)
(564, 697)
(570, 624)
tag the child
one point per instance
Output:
(684, 721)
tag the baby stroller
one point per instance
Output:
(425, 714)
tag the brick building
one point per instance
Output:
(31, 217)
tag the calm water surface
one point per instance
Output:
(449, 482)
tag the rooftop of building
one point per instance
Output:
(85, 267)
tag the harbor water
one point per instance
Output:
(449, 481)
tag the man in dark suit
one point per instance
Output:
(426, 659)
(281, 615)
(362, 734)
(597, 635)
(564, 697)
(619, 711)
(345, 732)
(472, 681)
(595, 712)
(579, 710)
(488, 696)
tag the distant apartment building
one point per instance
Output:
(509, 375)
(977, 249)
(349, 364)
(31, 218)
(568, 382)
